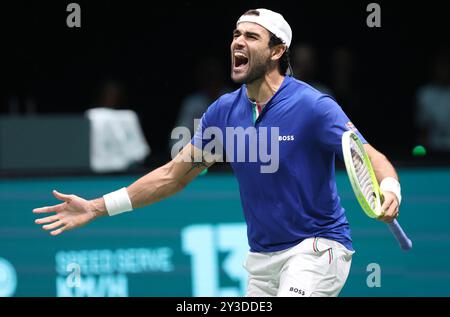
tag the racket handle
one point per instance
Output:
(400, 235)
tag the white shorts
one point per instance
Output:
(314, 267)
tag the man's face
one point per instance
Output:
(250, 53)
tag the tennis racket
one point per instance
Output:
(365, 185)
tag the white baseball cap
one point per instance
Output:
(272, 21)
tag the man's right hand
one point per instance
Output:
(72, 213)
(154, 186)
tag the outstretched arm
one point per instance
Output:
(154, 186)
(388, 179)
(168, 179)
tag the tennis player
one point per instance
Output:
(299, 237)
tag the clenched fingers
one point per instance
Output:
(389, 209)
(388, 200)
(389, 217)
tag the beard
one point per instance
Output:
(255, 72)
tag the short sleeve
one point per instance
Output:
(331, 122)
(209, 119)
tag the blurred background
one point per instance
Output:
(89, 109)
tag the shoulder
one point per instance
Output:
(222, 105)
(225, 102)
(230, 98)
(308, 96)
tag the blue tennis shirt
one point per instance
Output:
(296, 197)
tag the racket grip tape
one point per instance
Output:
(400, 235)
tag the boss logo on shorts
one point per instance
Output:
(297, 290)
(286, 138)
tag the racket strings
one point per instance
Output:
(363, 175)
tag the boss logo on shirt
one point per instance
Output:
(297, 290)
(286, 138)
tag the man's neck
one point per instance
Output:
(261, 90)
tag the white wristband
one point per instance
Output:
(390, 184)
(118, 202)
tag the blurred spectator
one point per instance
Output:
(28, 107)
(344, 83)
(433, 105)
(210, 80)
(305, 66)
(117, 140)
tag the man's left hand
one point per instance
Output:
(389, 209)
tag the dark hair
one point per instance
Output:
(284, 63)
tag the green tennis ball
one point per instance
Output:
(419, 150)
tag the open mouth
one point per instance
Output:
(240, 60)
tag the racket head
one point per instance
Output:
(361, 174)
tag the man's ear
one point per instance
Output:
(278, 51)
